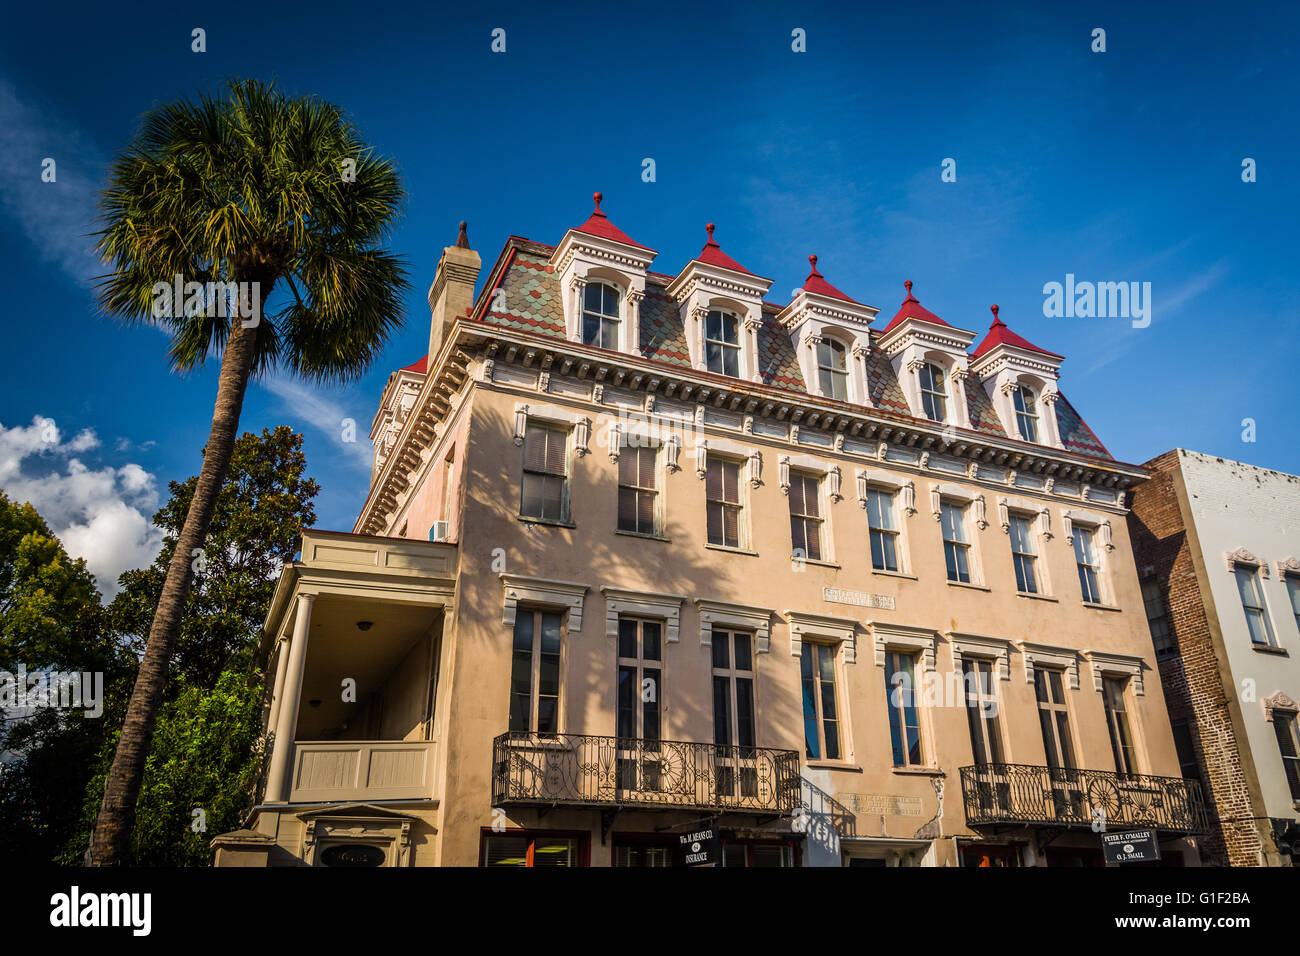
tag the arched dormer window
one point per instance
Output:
(600, 315)
(1026, 406)
(722, 343)
(934, 392)
(833, 369)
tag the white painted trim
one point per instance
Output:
(840, 629)
(620, 601)
(742, 616)
(542, 592)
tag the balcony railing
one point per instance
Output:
(581, 770)
(1010, 794)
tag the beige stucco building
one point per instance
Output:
(645, 555)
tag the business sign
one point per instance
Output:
(1131, 846)
(698, 848)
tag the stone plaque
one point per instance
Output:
(859, 598)
(882, 804)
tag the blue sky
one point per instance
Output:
(1115, 166)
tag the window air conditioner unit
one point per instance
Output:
(439, 531)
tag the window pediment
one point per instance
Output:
(542, 592)
(1245, 558)
(842, 630)
(900, 637)
(978, 645)
(1051, 656)
(667, 607)
(742, 616)
(1104, 664)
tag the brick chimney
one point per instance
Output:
(452, 291)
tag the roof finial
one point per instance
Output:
(598, 197)
(907, 284)
(462, 240)
(813, 261)
(994, 309)
(709, 229)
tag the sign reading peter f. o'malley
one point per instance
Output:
(1130, 846)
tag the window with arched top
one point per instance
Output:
(722, 343)
(1026, 412)
(600, 315)
(833, 369)
(934, 394)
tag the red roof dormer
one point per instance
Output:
(713, 255)
(420, 367)
(911, 309)
(599, 225)
(816, 283)
(999, 334)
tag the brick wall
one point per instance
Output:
(1192, 678)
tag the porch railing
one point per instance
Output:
(1047, 796)
(582, 770)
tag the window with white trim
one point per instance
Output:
(1026, 412)
(980, 680)
(600, 315)
(934, 395)
(638, 490)
(901, 694)
(535, 672)
(833, 368)
(1252, 603)
(882, 526)
(1293, 592)
(733, 712)
(724, 498)
(821, 720)
(639, 763)
(956, 543)
(545, 489)
(806, 516)
(1124, 750)
(722, 343)
(1088, 563)
(1287, 728)
(1023, 557)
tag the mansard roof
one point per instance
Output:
(533, 303)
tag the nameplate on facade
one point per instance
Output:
(884, 602)
(882, 804)
(1132, 846)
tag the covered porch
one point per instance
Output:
(356, 628)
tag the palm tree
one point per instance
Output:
(256, 187)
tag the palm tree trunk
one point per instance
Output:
(110, 840)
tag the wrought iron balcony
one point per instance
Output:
(616, 772)
(1028, 795)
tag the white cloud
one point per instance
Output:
(58, 216)
(316, 409)
(103, 515)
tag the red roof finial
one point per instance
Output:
(597, 197)
(709, 229)
(812, 260)
(908, 285)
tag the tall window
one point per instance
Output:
(1022, 554)
(956, 549)
(833, 369)
(725, 509)
(805, 516)
(1293, 592)
(1157, 620)
(1186, 750)
(1054, 717)
(934, 395)
(525, 850)
(1121, 735)
(600, 316)
(821, 732)
(733, 712)
(1288, 741)
(546, 473)
(638, 490)
(535, 673)
(1252, 602)
(904, 719)
(722, 343)
(640, 669)
(448, 489)
(982, 710)
(1085, 557)
(883, 529)
(1026, 413)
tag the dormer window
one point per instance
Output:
(600, 316)
(1026, 413)
(833, 369)
(934, 395)
(722, 343)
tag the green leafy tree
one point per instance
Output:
(277, 194)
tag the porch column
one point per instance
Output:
(281, 659)
(287, 717)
